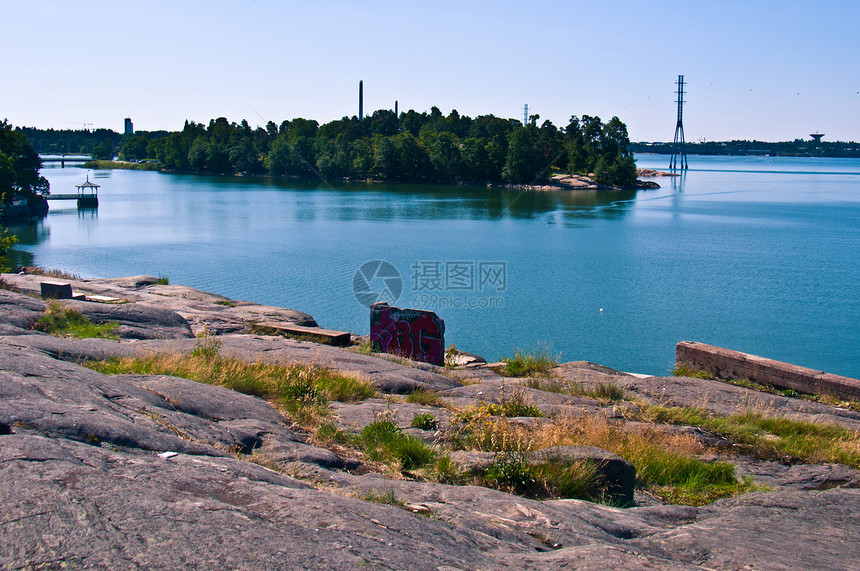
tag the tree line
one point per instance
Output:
(411, 147)
(795, 148)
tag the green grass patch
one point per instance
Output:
(426, 398)
(365, 348)
(700, 495)
(69, 322)
(425, 421)
(162, 280)
(684, 371)
(514, 407)
(328, 432)
(512, 472)
(386, 497)
(524, 364)
(383, 441)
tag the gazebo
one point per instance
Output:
(88, 194)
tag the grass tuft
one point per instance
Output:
(387, 497)
(524, 364)
(425, 421)
(382, 441)
(426, 398)
(684, 371)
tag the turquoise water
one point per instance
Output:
(758, 254)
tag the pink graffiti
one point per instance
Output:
(410, 333)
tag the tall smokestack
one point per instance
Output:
(395, 110)
(360, 100)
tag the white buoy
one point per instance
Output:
(601, 310)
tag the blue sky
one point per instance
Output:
(755, 69)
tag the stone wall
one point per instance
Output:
(728, 364)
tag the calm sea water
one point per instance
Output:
(758, 254)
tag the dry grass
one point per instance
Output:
(602, 391)
(302, 389)
(666, 463)
(49, 273)
(768, 435)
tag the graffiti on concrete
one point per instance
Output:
(410, 333)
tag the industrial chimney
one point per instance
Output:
(360, 100)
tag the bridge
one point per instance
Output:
(64, 158)
(61, 158)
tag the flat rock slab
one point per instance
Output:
(355, 416)
(18, 312)
(799, 476)
(154, 413)
(202, 310)
(136, 320)
(94, 507)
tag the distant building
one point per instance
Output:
(129, 127)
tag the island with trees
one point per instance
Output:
(384, 146)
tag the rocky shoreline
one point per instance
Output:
(157, 471)
(584, 182)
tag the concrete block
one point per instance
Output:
(729, 364)
(56, 290)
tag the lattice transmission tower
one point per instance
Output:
(679, 147)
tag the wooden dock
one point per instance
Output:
(87, 195)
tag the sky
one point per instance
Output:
(755, 69)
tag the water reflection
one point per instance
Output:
(677, 182)
(429, 202)
(29, 233)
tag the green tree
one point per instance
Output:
(19, 175)
(362, 158)
(445, 155)
(134, 147)
(197, 154)
(411, 158)
(524, 161)
(104, 150)
(384, 159)
(19, 167)
(6, 241)
(476, 164)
